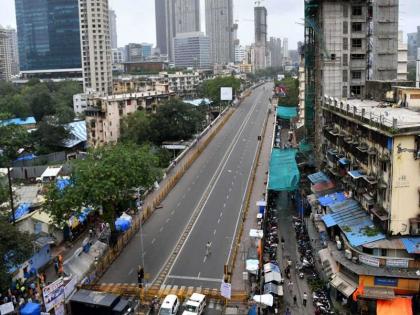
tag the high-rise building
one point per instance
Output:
(96, 46)
(357, 42)
(412, 46)
(5, 62)
(285, 47)
(48, 36)
(113, 29)
(220, 30)
(260, 47)
(239, 54)
(274, 45)
(13, 46)
(134, 52)
(192, 50)
(402, 58)
(147, 50)
(174, 17)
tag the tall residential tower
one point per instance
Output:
(260, 45)
(113, 29)
(220, 29)
(96, 46)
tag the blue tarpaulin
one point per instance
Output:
(284, 174)
(318, 177)
(331, 199)
(26, 157)
(412, 244)
(252, 310)
(83, 215)
(347, 204)
(31, 309)
(284, 112)
(123, 223)
(355, 223)
(355, 174)
(62, 183)
(343, 161)
(21, 211)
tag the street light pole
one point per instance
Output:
(9, 177)
(141, 229)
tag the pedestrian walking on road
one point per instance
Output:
(287, 312)
(290, 286)
(305, 298)
(294, 300)
(140, 276)
(282, 243)
(208, 247)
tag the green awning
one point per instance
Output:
(284, 112)
(284, 173)
(304, 146)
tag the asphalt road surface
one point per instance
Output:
(218, 178)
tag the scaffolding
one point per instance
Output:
(311, 8)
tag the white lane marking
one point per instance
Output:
(131, 271)
(195, 278)
(214, 232)
(178, 204)
(218, 221)
(221, 214)
(161, 229)
(204, 260)
(153, 240)
(168, 219)
(227, 197)
(211, 186)
(230, 189)
(229, 171)
(199, 274)
(172, 212)
(224, 205)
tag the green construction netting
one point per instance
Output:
(304, 146)
(284, 174)
(284, 112)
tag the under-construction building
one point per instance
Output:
(347, 42)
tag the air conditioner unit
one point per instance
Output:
(339, 245)
(348, 254)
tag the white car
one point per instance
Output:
(170, 305)
(195, 304)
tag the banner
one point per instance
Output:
(53, 294)
(226, 290)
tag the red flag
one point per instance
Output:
(360, 290)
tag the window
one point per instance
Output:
(356, 27)
(345, 27)
(356, 90)
(356, 11)
(356, 43)
(345, 60)
(344, 91)
(356, 75)
(345, 10)
(345, 76)
(384, 167)
(357, 57)
(345, 43)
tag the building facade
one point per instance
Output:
(134, 52)
(147, 50)
(174, 17)
(5, 56)
(402, 71)
(276, 54)
(192, 50)
(104, 114)
(260, 45)
(14, 53)
(48, 35)
(113, 29)
(220, 30)
(412, 46)
(96, 46)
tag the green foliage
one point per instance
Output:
(12, 138)
(48, 137)
(270, 72)
(39, 99)
(104, 180)
(211, 88)
(173, 121)
(292, 86)
(14, 245)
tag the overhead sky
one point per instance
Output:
(136, 19)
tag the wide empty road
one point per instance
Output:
(214, 188)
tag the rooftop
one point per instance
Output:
(381, 113)
(18, 121)
(128, 96)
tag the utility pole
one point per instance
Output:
(9, 177)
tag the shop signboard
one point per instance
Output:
(370, 261)
(397, 263)
(53, 294)
(384, 281)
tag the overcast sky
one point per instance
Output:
(136, 19)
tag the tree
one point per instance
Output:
(292, 87)
(136, 128)
(175, 121)
(49, 136)
(105, 180)
(15, 249)
(211, 88)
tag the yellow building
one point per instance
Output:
(408, 96)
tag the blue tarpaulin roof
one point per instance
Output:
(21, 211)
(284, 112)
(284, 174)
(26, 157)
(343, 161)
(355, 174)
(31, 309)
(18, 121)
(347, 204)
(412, 244)
(252, 310)
(62, 183)
(353, 221)
(318, 177)
(331, 199)
(77, 133)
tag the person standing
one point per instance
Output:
(287, 312)
(290, 286)
(305, 298)
(295, 300)
(140, 276)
